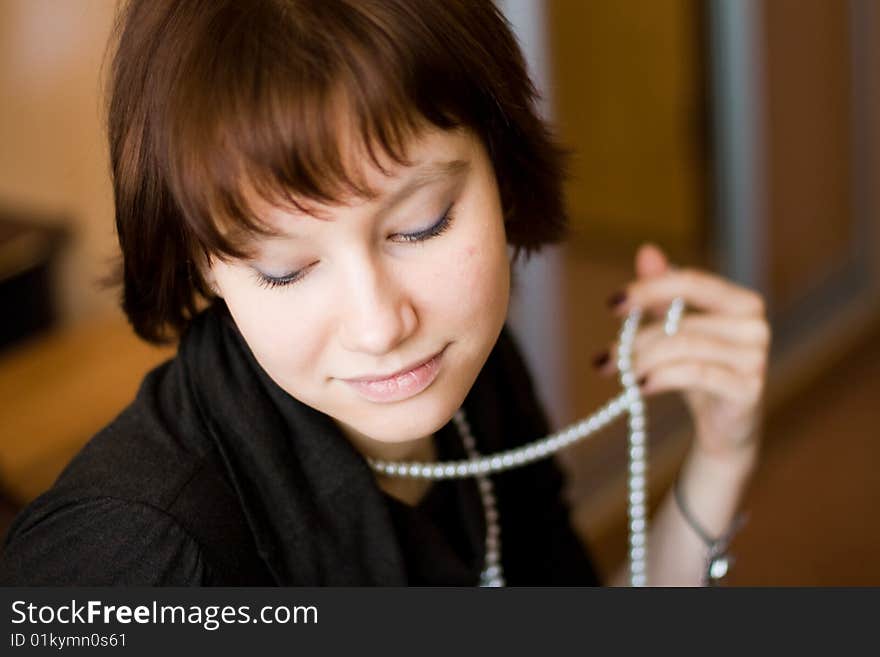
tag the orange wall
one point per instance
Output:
(53, 157)
(628, 96)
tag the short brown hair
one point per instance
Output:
(205, 95)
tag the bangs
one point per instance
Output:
(287, 107)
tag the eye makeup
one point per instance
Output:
(439, 227)
(264, 280)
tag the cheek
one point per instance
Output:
(471, 286)
(284, 342)
(488, 282)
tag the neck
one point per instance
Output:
(424, 450)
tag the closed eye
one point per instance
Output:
(264, 280)
(443, 224)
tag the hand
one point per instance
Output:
(718, 358)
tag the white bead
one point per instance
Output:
(637, 497)
(637, 422)
(637, 525)
(718, 568)
(628, 379)
(637, 438)
(638, 567)
(637, 539)
(637, 467)
(637, 553)
(637, 511)
(637, 482)
(637, 452)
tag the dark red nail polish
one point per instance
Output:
(600, 359)
(642, 380)
(616, 299)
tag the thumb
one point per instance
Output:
(651, 261)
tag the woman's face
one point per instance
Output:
(413, 283)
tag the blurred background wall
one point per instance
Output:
(53, 163)
(742, 136)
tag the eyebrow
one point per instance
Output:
(425, 175)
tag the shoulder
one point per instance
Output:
(194, 535)
(96, 541)
(140, 504)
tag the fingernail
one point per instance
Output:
(616, 299)
(642, 380)
(600, 359)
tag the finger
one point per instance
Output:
(708, 377)
(752, 331)
(701, 290)
(745, 331)
(745, 359)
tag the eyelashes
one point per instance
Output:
(440, 227)
(280, 281)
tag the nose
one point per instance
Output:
(377, 313)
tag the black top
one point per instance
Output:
(216, 476)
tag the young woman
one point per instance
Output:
(320, 200)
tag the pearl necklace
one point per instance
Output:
(492, 574)
(480, 467)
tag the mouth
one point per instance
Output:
(400, 385)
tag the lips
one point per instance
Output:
(400, 385)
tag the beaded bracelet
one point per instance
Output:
(718, 561)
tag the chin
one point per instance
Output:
(406, 425)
